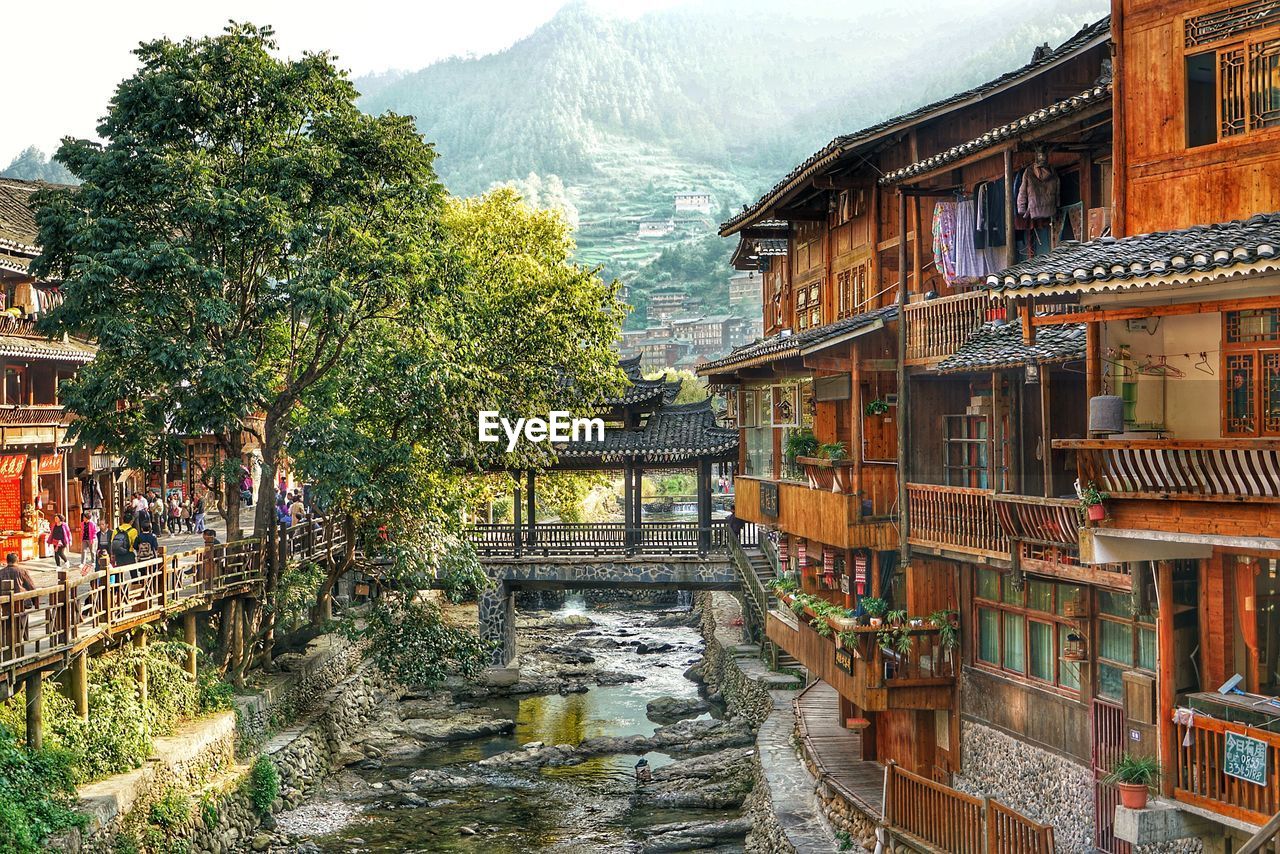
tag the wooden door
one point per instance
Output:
(1108, 747)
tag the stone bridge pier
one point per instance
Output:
(497, 610)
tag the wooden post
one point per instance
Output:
(516, 510)
(1093, 358)
(1010, 242)
(704, 506)
(904, 519)
(35, 711)
(140, 674)
(1026, 311)
(1167, 687)
(237, 633)
(855, 400)
(189, 636)
(1046, 434)
(77, 684)
(529, 504)
(628, 498)
(873, 570)
(1119, 141)
(638, 497)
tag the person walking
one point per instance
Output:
(184, 515)
(197, 514)
(59, 539)
(175, 513)
(141, 511)
(88, 539)
(158, 513)
(122, 540)
(21, 582)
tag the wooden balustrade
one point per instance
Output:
(1214, 470)
(1047, 521)
(41, 625)
(955, 518)
(1199, 778)
(936, 328)
(598, 538)
(928, 812)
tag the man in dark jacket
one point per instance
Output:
(15, 579)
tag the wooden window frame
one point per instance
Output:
(1244, 42)
(1136, 627)
(20, 370)
(1029, 615)
(1258, 351)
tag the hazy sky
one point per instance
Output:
(65, 56)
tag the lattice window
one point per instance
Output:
(1231, 80)
(851, 288)
(1239, 393)
(1271, 392)
(1264, 84)
(1225, 23)
(1253, 325)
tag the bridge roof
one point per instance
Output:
(675, 433)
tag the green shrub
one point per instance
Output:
(37, 795)
(171, 811)
(264, 784)
(209, 812)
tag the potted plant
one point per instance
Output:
(1091, 498)
(801, 443)
(833, 451)
(879, 406)
(875, 607)
(1132, 775)
(844, 620)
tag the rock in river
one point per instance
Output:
(666, 710)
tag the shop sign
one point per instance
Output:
(50, 464)
(12, 465)
(1245, 758)
(844, 660)
(769, 499)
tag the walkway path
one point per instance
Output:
(45, 572)
(790, 785)
(836, 751)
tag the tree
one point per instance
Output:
(32, 165)
(241, 224)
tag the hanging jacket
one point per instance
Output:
(90, 493)
(1038, 195)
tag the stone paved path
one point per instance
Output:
(790, 786)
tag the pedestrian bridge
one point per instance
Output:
(606, 555)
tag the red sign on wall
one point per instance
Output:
(50, 464)
(12, 466)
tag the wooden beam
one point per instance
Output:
(844, 182)
(1166, 688)
(1093, 358)
(1010, 243)
(189, 637)
(801, 214)
(140, 672)
(78, 684)
(1120, 164)
(829, 363)
(904, 518)
(1026, 313)
(35, 710)
(1107, 315)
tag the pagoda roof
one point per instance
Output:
(675, 433)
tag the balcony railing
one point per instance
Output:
(1200, 778)
(1047, 521)
(1214, 470)
(599, 538)
(955, 518)
(936, 328)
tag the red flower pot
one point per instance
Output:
(1133, 795)
(1097, 512)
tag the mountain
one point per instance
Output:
(32, 165)
(711, 96)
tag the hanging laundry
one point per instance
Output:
(970, 263)
(1020, 220)
(992, 214)
(1038, 195)
(944, 240)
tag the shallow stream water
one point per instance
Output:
(580, 808)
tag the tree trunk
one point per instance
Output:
(265, 526)
(231, 484)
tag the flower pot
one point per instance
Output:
(875, 622)
(1097, 512)
(1133, 795)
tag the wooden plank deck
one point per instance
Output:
(836, 751)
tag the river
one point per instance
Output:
(589, 807)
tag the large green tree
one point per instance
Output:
(240, 225)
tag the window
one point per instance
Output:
(1251, 373)
(1125, 642)
(851, 290)
(967, 445)
(1021, 628)
(1232, 83)
(759, 451)
(15, 382)
(809, 306)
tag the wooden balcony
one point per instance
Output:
(955, 519)
(1239, 470)
(1045, 534)
(818, 514)
(936, 328)
(1201, 781)
(922, 677)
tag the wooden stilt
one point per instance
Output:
(35, 711)
(140, 673)
(1165, 663)
(189, 636)
(78, 684)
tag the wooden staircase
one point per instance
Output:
(757, 571)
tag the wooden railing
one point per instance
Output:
(955, 517)
(1048, 521)
(1215, 470)
(936, 328)
(943, 818)
(44, 624)
(599, 538)
(1201, 781)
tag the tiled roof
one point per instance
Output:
(42, 349)
(1093, 97)
(1163, 257)
(784, 346)
(672, 434)
(842, 145)
(771, 246)
(34, 415)
(17, 220)
(999, 345)
(640, 390)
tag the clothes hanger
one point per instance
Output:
(1161, 368)
(1203, 365)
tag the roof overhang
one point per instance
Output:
(878, 323)
(1124, 545)
(1164, 281)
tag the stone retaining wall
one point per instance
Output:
(719, 670)
(843, 816)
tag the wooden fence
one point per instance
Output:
(936, 328)
(42, 625)
(954, 517)
(1200, 778)
(925, 812)
(600, 538)
(1211, 470)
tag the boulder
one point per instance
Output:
(671, 709)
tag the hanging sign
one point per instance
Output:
(769, 499)
(783, 556)
(844, 660)
(800, 554)
(50, 464)
(1245, 758)
(12, 466)
(844, 584)
(860, 572)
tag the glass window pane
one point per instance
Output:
(989, 635)
(1110, 681)
(1015, 652)
(1069, 593)
(1240, 393)
(988, 584)
(1010, 594)
(1147, 649)
(1042, 651)
(1040, 596)
(1115, 604)
(1117, 642)
(1068, 671)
